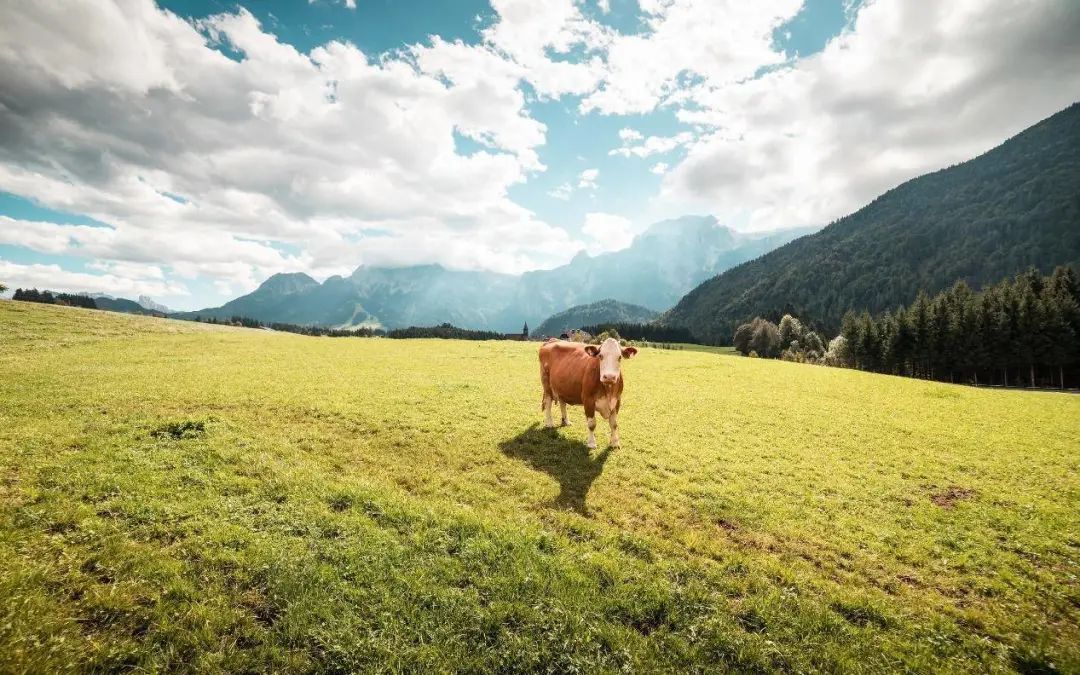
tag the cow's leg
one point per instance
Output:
(613, 422)
(545, 404)
(590, 420)
(565, 419)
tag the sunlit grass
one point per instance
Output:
(179, 496)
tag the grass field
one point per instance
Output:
(728, 351)
(180, 496)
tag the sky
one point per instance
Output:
(188, 149)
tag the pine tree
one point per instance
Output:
(921, 319)
(867, 348)
(1029, 324)
(941, 340)
(1058, 335)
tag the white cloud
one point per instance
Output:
(608, 232)
(287, 161)
(539, 36)
(562, 191)
(52, 277)
(716, 42)
(911, 88)
(278, 151)
(654, 145)
(587, 179)
(604, 5)
(128, 270)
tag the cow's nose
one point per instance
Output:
(607, 379)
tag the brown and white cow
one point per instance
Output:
(585, 375)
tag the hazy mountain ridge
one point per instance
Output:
(991, 217)
(661, 264)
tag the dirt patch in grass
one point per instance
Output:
(948, 497)
(726, 525)
(180, 430)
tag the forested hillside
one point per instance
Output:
(1015, 207)
(604, 311)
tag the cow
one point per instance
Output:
(585, 375)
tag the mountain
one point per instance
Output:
(661, 264)
(148, 302)
(604, 311)
(111, 304)
(1011, 208)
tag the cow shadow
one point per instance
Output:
(567, 461)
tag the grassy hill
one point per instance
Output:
(1014, 207)
(182, 496)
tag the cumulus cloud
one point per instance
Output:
(562, 191)
(910, 88)
(53, 277)
(660, 168)
(654, 145)
(539, 37)
(687, 41)
(587, 179)
(216, 165)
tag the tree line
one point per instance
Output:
(50, 298)
(317, 331)
(1022, 331)
(644, 331)
(444, 331)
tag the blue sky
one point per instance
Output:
(187, 150)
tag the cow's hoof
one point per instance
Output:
(614, 445)
(591, 445)
(566, 423)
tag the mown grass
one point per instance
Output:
(178, 496)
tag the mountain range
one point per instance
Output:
(1014, 207)
(659, 266)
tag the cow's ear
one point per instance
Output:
(592, 350)
(628, 352)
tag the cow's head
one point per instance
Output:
(610, 354)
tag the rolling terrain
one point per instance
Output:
(192, 497)
(1014, 207)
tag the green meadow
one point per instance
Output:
(176, 496)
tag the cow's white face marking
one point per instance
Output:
(610, 355)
